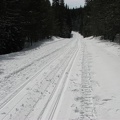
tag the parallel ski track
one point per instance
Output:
(63, 64)
(55, 104)
(26, 82)
(23, 85)
(38, 59)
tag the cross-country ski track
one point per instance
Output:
(64, 79)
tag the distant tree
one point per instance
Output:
(76, 18)
(55, 3)
(38, 19)
(61, 16)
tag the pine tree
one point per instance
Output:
(55, 3)
(61, 16)
(37, 19)
(27, 21)
(10, 27)
(101, 18)
(61, 2)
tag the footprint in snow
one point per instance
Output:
(76, 110)
(117, 110)
(78, 99)
(3, 113)
(75, 90)
(106, 99)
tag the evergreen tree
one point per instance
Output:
(10, 27)
(61, 16)
(101, 18)
(27, 21)
(38, 19)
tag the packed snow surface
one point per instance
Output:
(62, 79)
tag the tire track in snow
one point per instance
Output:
(87, 111)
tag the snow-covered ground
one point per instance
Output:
(105, 73)
(63, 79)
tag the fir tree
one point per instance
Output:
(10, 27)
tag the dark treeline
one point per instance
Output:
(76, 15)
(62, 20)
(29, 21)
(101, 18)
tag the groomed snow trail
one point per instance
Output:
(66, 79)
(31, 98)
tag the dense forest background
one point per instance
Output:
(28, 21)
(101, 18)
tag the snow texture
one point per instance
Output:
(62, 79)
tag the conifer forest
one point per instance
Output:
(59, 59)
(30, 21)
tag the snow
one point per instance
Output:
(106, 78)
(62, 79)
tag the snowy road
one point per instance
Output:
(66, 79)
